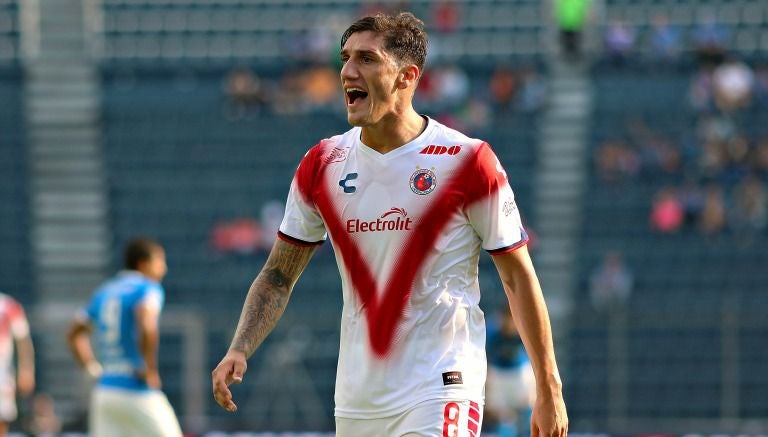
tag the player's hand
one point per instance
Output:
(549, 418)
(151, 378)
(229, 371)
(93, 369)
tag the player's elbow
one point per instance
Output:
(75, 331)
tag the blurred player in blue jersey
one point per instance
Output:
(123, 315)
(511, 385)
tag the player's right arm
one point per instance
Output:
(263, 307)
(79, 340)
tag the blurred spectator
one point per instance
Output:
(615, 161)
(42, 420)
(533, 90)
(426, 90)
(692, 200)
(715, 128)
(289, 96)
(271, 217)
(245, 92)
(759, 157)
(445, 16)
(713, 214)
(665, 39)
(510, 386)
(571, 16)
(444, 87)
(750, 211)
(732, 84)
(241, 236)
(761, 86)
(611, 283)
(657, 152)
(503, 87)
(452, 85)
(619, 40)
(667, 211)
(476, 116)
(713, 158)
(320, 88)
(710, 39)
(700, 93)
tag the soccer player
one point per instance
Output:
(124, 314)
(408, 204)
(510, 389)
(14, 327)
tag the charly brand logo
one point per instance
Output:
(344, 183)
(396, 219)
(433, 149)
(337, 154)
(509, 207)
(423, 181)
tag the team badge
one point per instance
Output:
(423, 181)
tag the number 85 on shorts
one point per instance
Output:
(433, 418)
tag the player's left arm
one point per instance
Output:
(26, 364)
(529, 310)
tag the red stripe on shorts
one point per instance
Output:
(474, 418)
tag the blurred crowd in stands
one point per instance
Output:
(446, 92)
(714, 172)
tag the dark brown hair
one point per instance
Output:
(404, 35)
(139, 250)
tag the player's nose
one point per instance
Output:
(348, 71)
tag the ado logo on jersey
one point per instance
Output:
(434, 149)
(423, 181)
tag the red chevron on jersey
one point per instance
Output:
(383, 314)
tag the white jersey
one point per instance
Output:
(407, 228)
(13, 325)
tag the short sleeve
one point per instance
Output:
(19, 324)
(493, 212)
(153, 297)
(302, 222)
(90, 312)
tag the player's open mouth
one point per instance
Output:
(355, 95)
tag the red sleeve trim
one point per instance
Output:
(297, 242)
(509, 249)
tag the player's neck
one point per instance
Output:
(391, 133)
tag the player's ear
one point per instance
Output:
(408, 77)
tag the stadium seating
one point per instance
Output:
(9, 31)
(687, 285)
(14, 203)
(265, 31)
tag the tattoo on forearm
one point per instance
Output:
(268, 295)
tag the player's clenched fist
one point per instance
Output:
(549, 417)
(229, 371)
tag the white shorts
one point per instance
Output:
(127, 413)
(508, 390)
(436, 418)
